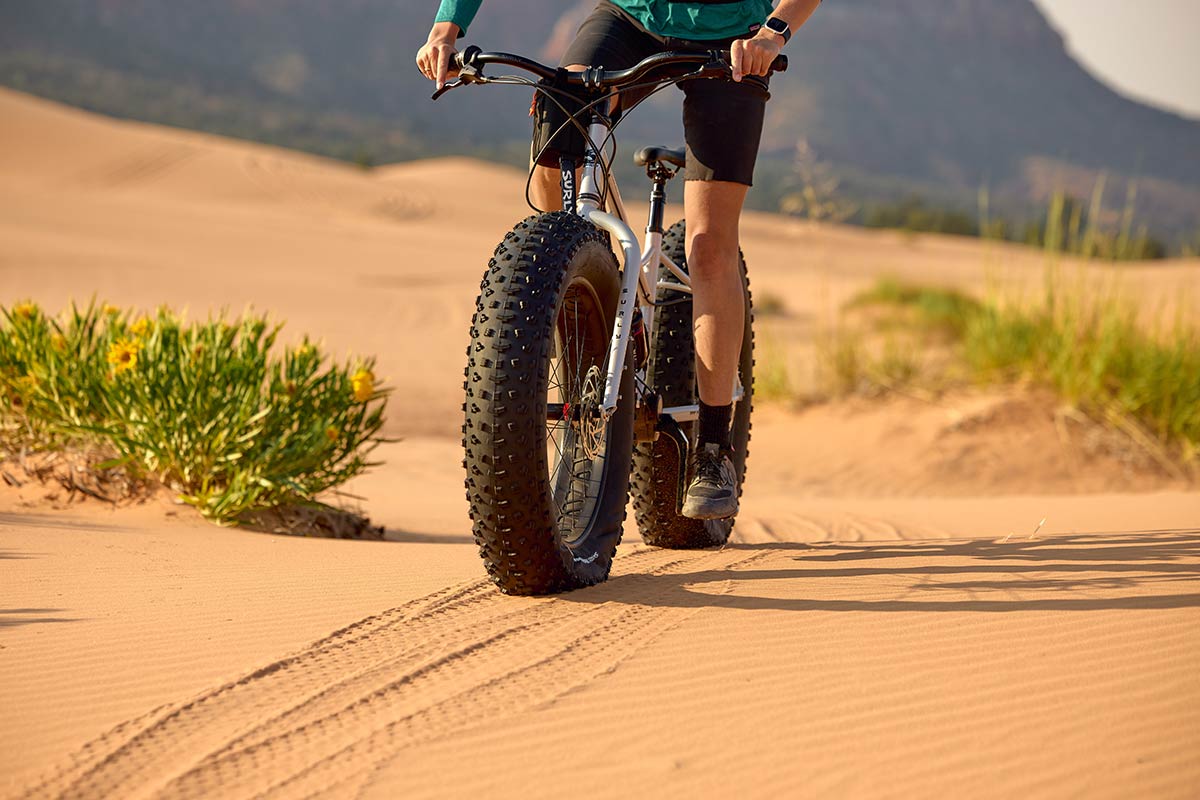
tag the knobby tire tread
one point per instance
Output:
(504, 426)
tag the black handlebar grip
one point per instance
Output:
(780, 63)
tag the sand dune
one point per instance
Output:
(886, 622)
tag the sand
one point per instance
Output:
(888, 621)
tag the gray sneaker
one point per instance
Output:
(713, 492)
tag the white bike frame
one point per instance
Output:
(642, 271)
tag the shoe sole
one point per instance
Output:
(703, 510)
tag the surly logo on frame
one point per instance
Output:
(568, 184)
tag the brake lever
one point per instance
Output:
(454, 84)
(467, 73)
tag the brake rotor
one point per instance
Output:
(591, 418)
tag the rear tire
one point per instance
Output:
(672, 374)
(547, 496)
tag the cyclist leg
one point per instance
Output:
(722, 127)
(607, 38)
(722, 123)
(712, 209)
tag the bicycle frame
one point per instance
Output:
(641, 272)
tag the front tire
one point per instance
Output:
(547, 480)
(658, 468)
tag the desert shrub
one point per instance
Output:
(944, 308)
(1089, 346)
(212, 410)
(1098, 356)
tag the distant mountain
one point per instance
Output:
(938, 97)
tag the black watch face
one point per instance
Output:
(777, 25)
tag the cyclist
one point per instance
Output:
(722, 124)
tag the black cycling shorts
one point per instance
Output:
(722, 120)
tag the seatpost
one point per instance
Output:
(659, 175)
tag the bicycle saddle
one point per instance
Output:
(652, 155)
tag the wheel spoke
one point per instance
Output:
(575, 445)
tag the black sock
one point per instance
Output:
(714, 424)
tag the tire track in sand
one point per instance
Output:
(322, 719)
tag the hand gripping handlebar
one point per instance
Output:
(711, 62)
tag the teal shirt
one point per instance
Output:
(677, 20)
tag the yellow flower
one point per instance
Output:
(123, 355)
(111, 310)
(363, 382)
(26, 310)
(331, 433)
(58, 341)
(303, 350)
(140, 328)
(27, 382)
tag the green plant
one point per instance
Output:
(209, 409)
(942, 308)
(772, 380)
(841, 361)
(1086, 342)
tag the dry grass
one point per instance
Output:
(1090, 346)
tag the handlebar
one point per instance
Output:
(474, 59)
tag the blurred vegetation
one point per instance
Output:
(772, 382)
(1066, 225)
(913, 214)
(813, 190)
(1134, 371)
(1087, 343)
(210, 409)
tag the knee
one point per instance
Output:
(711, 255)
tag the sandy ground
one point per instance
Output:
(887, 622)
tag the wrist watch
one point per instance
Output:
(780, 27)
